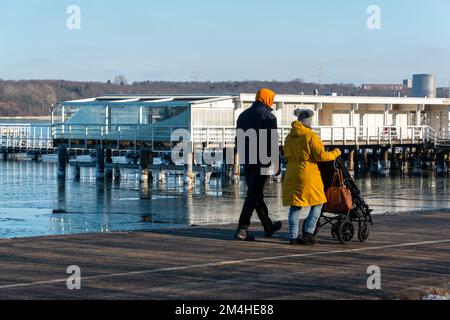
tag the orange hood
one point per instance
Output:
(266, 96)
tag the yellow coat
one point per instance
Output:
(303, 185)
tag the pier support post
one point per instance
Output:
(237, 168)
(393, 161)
(154, 175)
(100, 163)
(385, 163)
(161, 176)
(405, 160)
(374, 169)
(440, 164)
(351, 160)
(109, 161)
(205, 177)
(189, 177)
(365, 164)
(228, 164)
(62, 157)
(77, 171)
(117, 174)
(447, 161)
(417, 163)
(143, 165)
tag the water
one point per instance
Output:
(33, 202)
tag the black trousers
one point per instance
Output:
(255, 199)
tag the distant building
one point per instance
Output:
(443, 92)
(424, 85)
(383, 86)
(408, 83)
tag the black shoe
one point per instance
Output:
(243, 235)
(295, 242)
(308, 239)
(274, 228)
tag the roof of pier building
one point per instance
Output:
(148, 100)
(313, 99)
(188, 100)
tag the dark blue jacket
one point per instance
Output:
(257, 117)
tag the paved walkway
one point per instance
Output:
(412, 250)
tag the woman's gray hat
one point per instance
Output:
(304, 114)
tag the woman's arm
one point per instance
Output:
(318, 150)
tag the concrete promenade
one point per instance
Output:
(412, 250)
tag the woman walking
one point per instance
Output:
(303, 189)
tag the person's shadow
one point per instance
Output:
(226, 233)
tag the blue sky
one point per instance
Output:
(316, 40)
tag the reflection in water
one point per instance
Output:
(34, 202)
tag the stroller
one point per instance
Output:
(343, 224)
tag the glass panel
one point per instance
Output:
(166, 114)
(125, 115)
(84, 115)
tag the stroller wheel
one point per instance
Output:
(345, 231)
(363, 233)
(316, 232)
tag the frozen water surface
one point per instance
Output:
(33, 202)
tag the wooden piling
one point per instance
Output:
(228, 164)
(374, 169)
(351, 160)
(117, 174)
(447, 161)
(385, 163)
(62, 157)
(108, 161)
(189, 171)
(440, 164)
(393, 165)
(405, 160)
(237, 168)
(417, 162)
(365, 164)
(143, 165)
(77, 171)
(100, 154)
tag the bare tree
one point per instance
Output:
(120, 79)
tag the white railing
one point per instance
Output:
(376, 135)
(42, 136)
(26, 136)
(79, 135)
(214, 135)
(334, 135)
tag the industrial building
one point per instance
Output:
(424, 85)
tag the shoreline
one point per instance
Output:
(255, 227)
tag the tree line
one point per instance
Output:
(35, 97)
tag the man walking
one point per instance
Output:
(259, 119)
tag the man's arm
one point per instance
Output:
(273, 137)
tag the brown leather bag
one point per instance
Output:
(339, 197)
